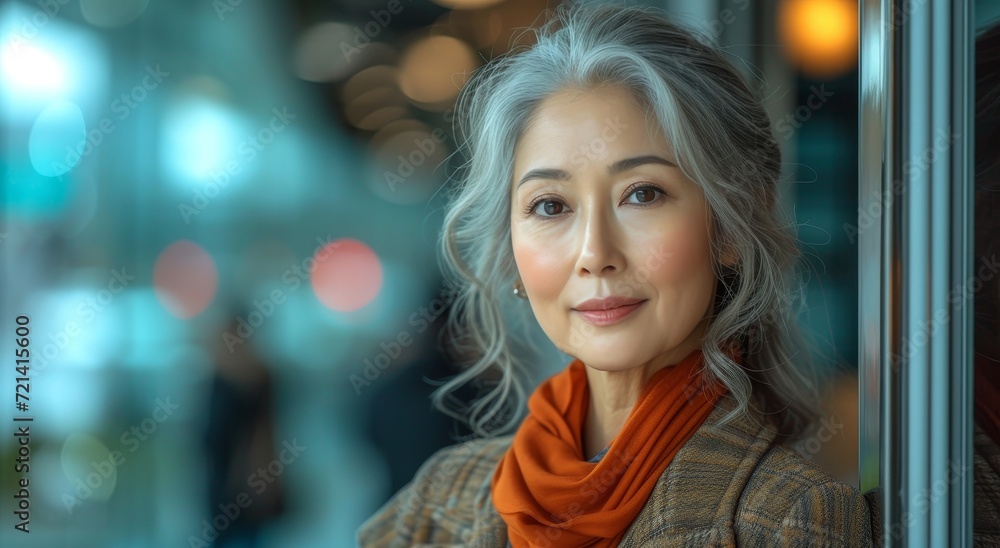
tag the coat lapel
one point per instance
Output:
(695, 499)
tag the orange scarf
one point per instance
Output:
(547, 492)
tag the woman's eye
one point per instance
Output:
(549, 208)
(644, 195)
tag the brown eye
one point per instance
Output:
(546, 207)
(644, 195)
(552, 208)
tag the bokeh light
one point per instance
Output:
(820, 36)
(58, 139)
(434, 69)
(45, 59)
(185, 279)
(90, 466)
(372, 98)
(376, 108)
(202, 136)
(31, 68)
(346, 275)
(319, 53)
(373, 77)
(79, 320)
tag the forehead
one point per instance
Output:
(604, 123)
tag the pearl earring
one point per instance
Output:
(519, 290)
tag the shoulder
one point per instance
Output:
(788, 499)
(443, 499)
(733, 483)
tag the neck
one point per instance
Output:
(613, 395)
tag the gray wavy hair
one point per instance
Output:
(722, 138)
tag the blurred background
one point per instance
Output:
(219, 226)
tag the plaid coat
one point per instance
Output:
(730, 485)
(986, 491)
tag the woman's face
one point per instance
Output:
(600, 210)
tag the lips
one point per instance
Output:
(608, 311)
(606, 303)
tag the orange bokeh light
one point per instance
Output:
(820, 37)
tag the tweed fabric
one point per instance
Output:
(986, 491)
(730, 485)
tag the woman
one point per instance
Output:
(622, 180)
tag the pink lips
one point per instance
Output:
(607, 311)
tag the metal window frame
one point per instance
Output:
(915, 263)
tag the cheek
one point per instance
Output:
(539, 265)
(681, 257)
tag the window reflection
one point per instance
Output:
(986, 504)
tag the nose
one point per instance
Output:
(600, 250)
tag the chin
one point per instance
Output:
(618, 351)
(602, 362)
(611, 356)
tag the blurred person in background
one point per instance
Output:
(636, 177)
(240, 441)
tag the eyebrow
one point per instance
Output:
(613, 169)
